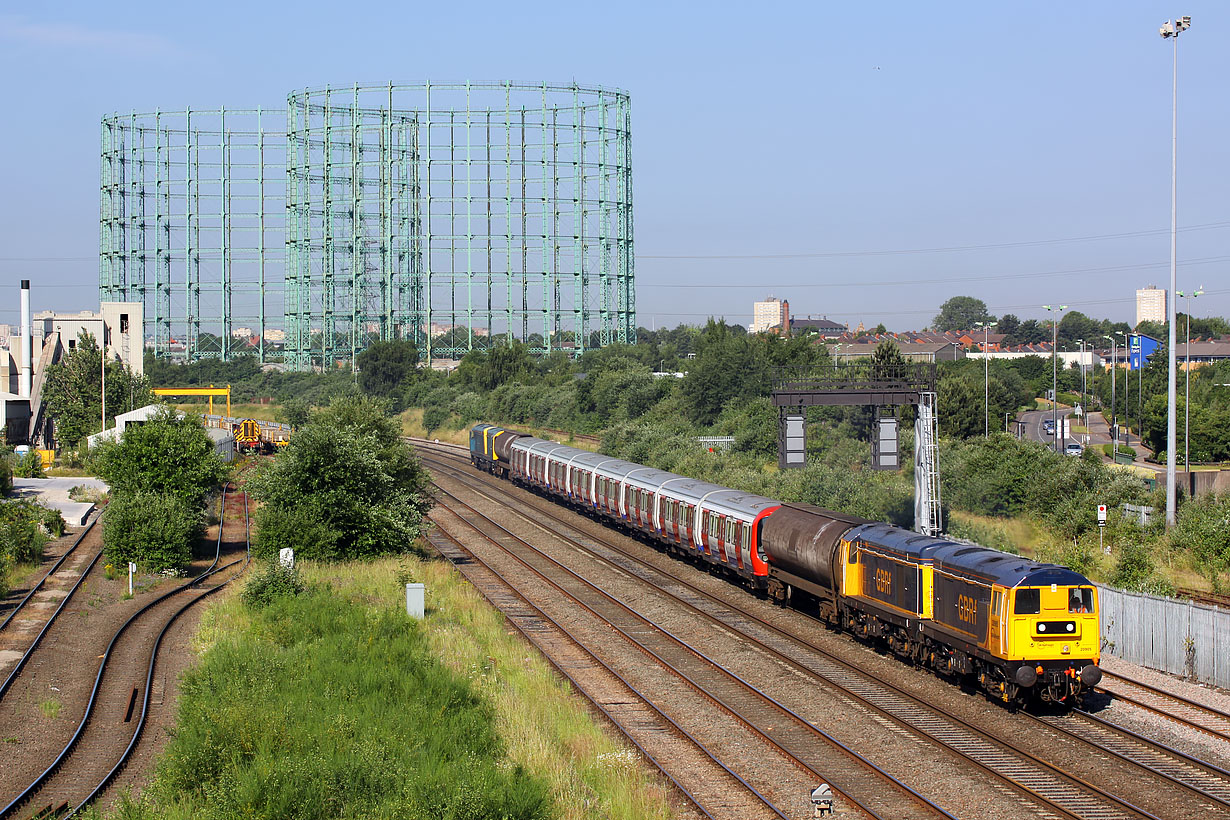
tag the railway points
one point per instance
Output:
(56, 771)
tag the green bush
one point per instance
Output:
(6, 475)
(272, 581)
(1201, 529)
(380, 727)
(167, 454)
(155, 530)
(346, 486)
(1134, 569)
(299, 527)
(434, 418)
(29, 466)
(984, 533)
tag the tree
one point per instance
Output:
(72, 392)
(296, 412)
(960, 313)
(341, 489)
(1009, 324)
(728, 366)
(888, 362)
(167, 454)
(880, 329)
(156, 530)
(489, 369)
(384, 366)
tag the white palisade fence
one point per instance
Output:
(1177, 636)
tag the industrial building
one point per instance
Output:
(44, 339)
(358, 213)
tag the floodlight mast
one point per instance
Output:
(1171, 30)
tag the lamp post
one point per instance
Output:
(1171, 31)
(1055, 367)
(1187, 372)
(986, 377)
(1114, 408)
(1081, 364)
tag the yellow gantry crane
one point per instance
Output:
(210, 391)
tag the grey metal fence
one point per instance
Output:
(1176, 636)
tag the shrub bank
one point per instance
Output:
(333, 704)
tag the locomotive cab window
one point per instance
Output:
(1028, 602)
(1081, 600)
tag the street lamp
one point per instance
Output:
(986, 377)
(1171, 31)
(1081, 363)
(1187, 371)
(1055, 367)
(1114, 408)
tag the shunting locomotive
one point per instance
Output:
(1022, 630)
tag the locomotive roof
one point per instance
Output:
(1003, 568)
(896, 539)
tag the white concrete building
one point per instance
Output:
(770, 313)
(1151, 305)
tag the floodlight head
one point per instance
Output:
(1185, 22)
(1167, 30)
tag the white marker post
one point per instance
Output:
(131, 569)
(415, 600)
(1102, 528)
(286, 557)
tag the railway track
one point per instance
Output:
(791, 736)
(60, 571)
(1202, 597)
(1174, 707)
(1026, 773)
(124, 687)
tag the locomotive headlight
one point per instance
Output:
(1071, 627)
(1041, 627)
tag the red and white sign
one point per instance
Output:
(1101, 515)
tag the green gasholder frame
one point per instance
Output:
(459, 216)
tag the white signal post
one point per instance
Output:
(1102, 527)
(131, 569)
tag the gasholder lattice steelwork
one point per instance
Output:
(458, 216)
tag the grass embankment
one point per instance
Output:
(334, 704)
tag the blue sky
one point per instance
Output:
(832, 155)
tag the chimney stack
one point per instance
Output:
(27, 340)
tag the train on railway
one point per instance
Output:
(1023, 631)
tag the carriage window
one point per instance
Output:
(747, 535)
(1081, 600)
(1028, 602)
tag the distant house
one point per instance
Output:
(824, 327)
(975, 339)
(928, 352)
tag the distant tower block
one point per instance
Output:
(1151, 305)
(459, 216)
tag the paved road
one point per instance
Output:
(1033, 425)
